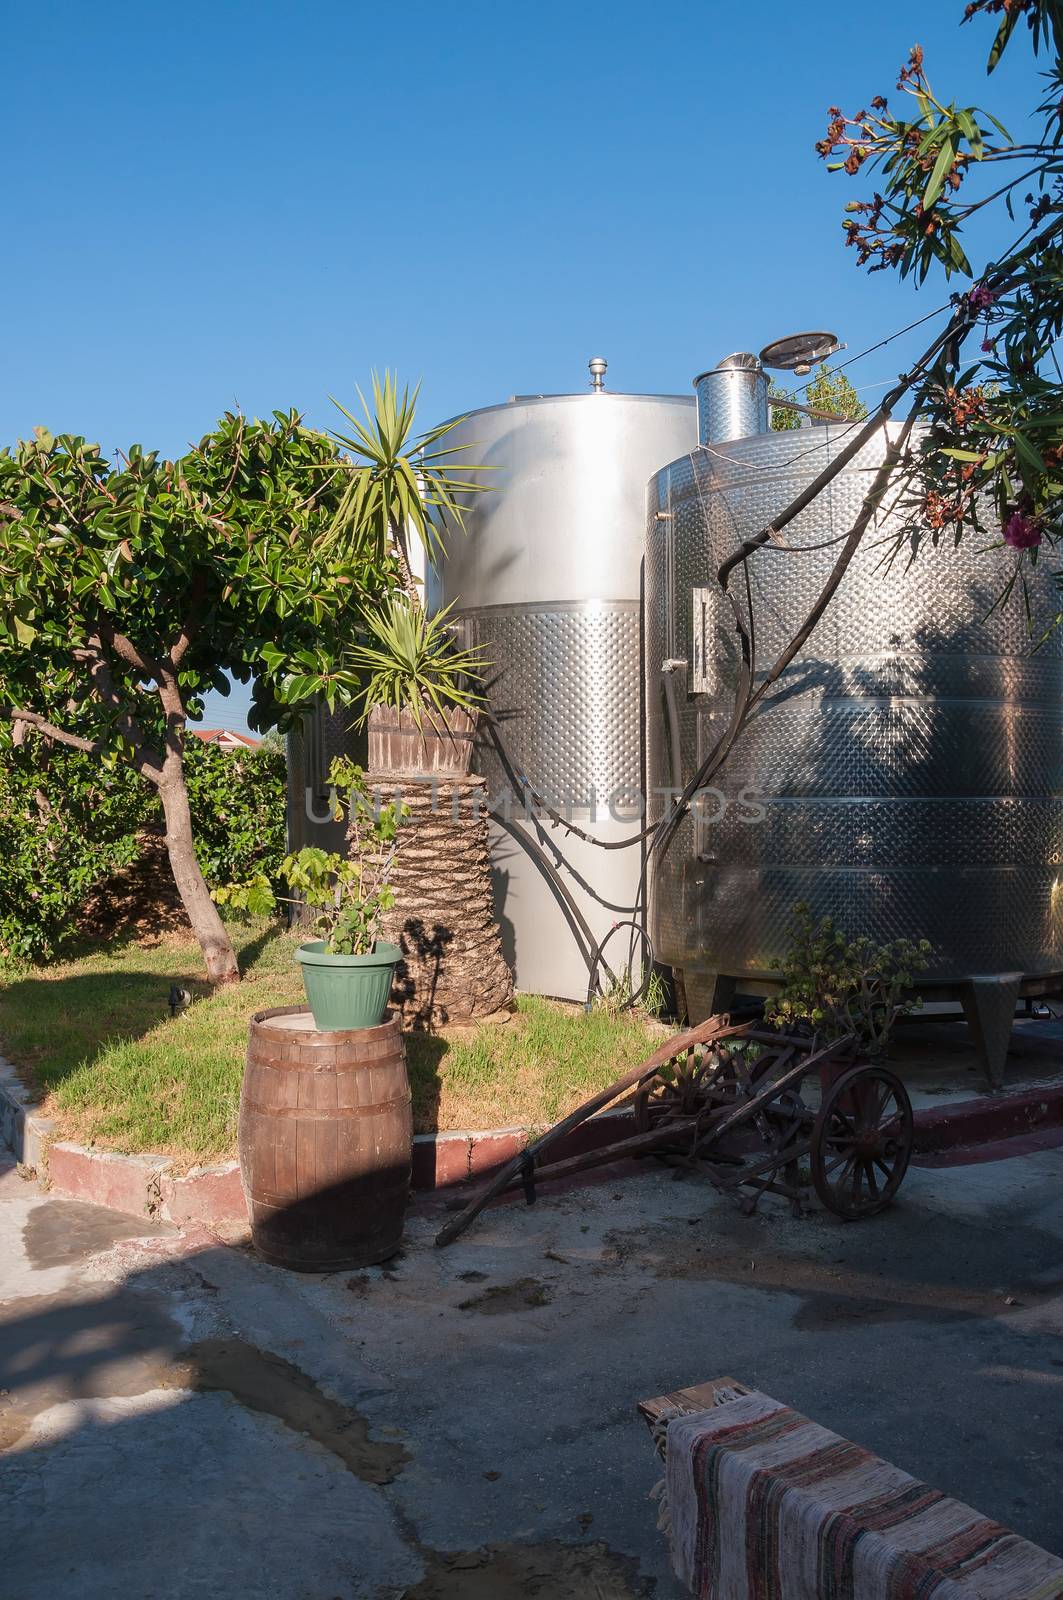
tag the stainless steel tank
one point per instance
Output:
(905, 774)
(547, 579)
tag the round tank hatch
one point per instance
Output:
(799, 352)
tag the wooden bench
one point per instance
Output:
(760, 1501)
(681, 1402)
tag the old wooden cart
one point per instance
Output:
(756, 1111)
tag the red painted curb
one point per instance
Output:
(145, 1185)
(125, 1183)
(206, 1194)
(969, 1155)
(988, 1119)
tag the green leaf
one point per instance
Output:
(1004, 32)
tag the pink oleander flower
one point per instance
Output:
(989, 345)
(1022, 532)
(980, 298)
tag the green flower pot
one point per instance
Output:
(347, 991)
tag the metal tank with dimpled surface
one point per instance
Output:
(904, 775)
(547, 580)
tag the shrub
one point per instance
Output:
(836, 987)
(65, 825)
(238, 804)
(68, 823)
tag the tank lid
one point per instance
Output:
(741, 361)
(798, 352)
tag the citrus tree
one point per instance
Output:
(132, 588)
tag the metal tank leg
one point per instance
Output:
(723, 994)
(707, 993)
(989, 1006)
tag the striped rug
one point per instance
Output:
(763, 1504)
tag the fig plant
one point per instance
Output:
(349, 895)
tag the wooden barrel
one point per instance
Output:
(326, 1136)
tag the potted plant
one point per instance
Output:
(347, 971)
(421, 696)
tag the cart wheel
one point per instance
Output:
(861, 1142)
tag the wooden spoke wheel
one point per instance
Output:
(861, 1142)
(688, 1086)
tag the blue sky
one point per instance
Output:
(254, 204)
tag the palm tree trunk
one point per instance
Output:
(453, 968)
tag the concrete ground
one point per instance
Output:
(939, 1063)
(182, 1420)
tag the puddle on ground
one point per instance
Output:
(519, 1572)
(267, 1383)
(58, 1233)
(526, 1294)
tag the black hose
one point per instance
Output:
(581, 930)
(522, 785)
(597, 960)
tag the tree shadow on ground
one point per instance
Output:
(425, 1053)
(52, 1025)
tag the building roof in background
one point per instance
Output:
(226, 738)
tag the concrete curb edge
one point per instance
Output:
(147, 1186)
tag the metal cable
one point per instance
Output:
(880, 345)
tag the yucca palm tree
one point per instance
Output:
(411, 662)
(422, 689)
(400, 481)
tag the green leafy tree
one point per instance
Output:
(131, 589)
(66, 824)
(237, 800)
(992, 456)
(829, 392)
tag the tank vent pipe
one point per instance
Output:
(596, 366)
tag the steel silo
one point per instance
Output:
(547, 579)
(905, 775)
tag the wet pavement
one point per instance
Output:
(181, 1419)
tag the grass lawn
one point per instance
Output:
(96, 1036)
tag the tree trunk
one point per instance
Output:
(443, 920)
(209, 929)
